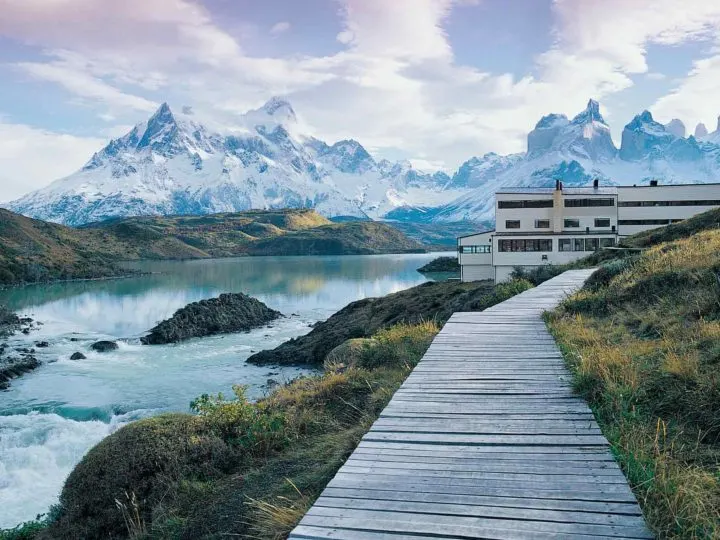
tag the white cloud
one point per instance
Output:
(395, 86)
(280, 28)
(32, 157)
(401, 28)
(82, 84)
(695, 98)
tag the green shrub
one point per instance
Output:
(142, 460)
(606, 272)
(402, 345)
(256, 428)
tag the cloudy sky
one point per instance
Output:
(434, 81)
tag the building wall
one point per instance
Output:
(474, 272)
(649, 195)
(555, 216)
(476, 266)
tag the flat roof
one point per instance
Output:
(475, 234)
(567, 190)
(589, 190)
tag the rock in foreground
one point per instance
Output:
(226, 314)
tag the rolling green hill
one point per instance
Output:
(36, 251)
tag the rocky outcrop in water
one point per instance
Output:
(14, 362)
(441, 264)
(104, 346)
(226, 314)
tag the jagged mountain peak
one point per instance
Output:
(676, 127)
(700, 131)
(590, 114)
(275, 112)
(586, 136)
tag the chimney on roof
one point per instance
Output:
(653, 183)
(596, 183)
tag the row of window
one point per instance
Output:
(538, 203)
(669, 203)
(475, 249)
(546, 244)
(567, 223)
(548, 203)
(595, 201)
(647, 221)
(585, 244)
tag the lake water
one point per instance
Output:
(51, 417)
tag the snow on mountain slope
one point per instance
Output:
(580, 150)
(173, 164)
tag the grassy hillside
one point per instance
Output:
(643, 339)
(35, 251)
(216, 235)
(32, 250)
(351, 238)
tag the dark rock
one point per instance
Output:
(226, 314)
(11, 368)
(74, 339)
(441, 264)
(25, 331)
(104, 346)
(26, 320)
(271, 383)
(42, 344)
(429, 301)
(78, 356)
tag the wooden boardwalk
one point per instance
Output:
(485, 439)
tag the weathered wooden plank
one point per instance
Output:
(460, 525)
(596, 507)
(439, 463)
(491, 509)
(548, 477)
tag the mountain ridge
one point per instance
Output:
(172, 164)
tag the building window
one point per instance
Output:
(512, 224)
(542, 223)
(602, 222)
(575, 203)
(541, 203)
(669, 203)
(572, 223)
(643, 221)
(585, 244)
(467, 250)
(525, 245)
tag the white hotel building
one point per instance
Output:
(539, 226)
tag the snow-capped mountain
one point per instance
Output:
(577, 151)
(172, 164)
